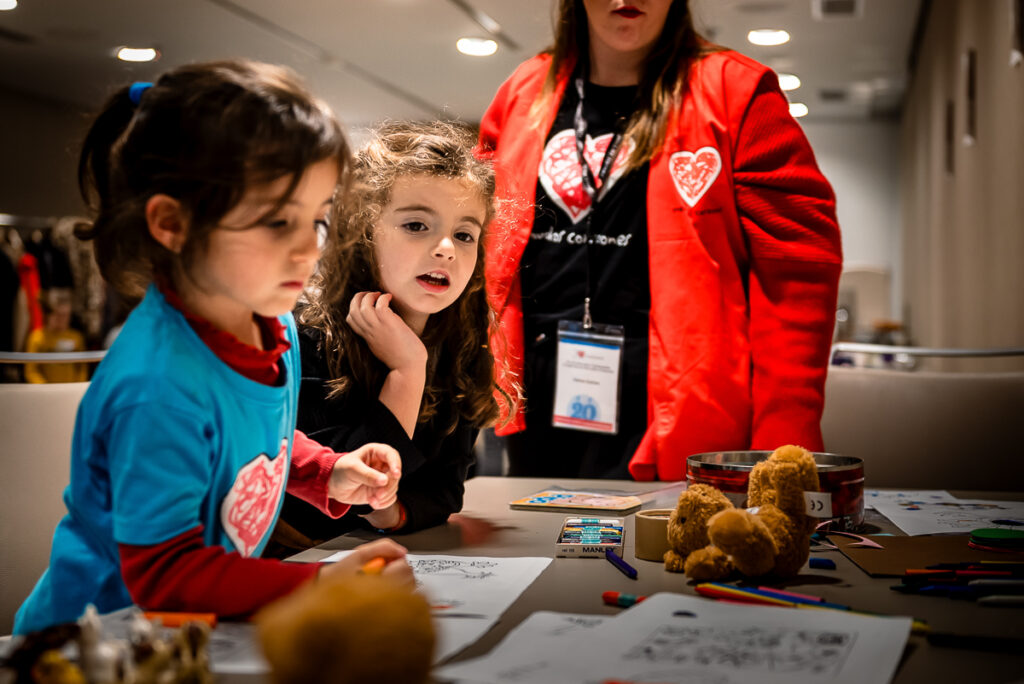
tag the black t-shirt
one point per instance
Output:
(435, 463)
(553, 270)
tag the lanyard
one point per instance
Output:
(589, 184)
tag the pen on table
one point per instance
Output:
(1001, 600)
(169, 619)
(764, 595)
(616, 560)
(972, 589)
(745, 595)
(998, 586)
(725, 591)
(792, 594)
(615, 598)
(980, 565)
(948, 590)
(373, 566)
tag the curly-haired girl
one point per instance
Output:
(395, 337)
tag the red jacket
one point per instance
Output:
(744, 256)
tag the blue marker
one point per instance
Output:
(624, 567)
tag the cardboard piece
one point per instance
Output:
(899, 553)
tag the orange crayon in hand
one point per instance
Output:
(179, 619)
(373, 567)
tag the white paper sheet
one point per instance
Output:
(536, 631)
(676, 638)
(956, 516)
(905, 496)
(464, 586)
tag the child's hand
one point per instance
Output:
(387, 335)
(393, 554)
(368, 475)
(384, 518)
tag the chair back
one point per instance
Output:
(927, 429)
(36, 424)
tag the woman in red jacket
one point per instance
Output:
(693, 262)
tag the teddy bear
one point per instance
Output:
(709, 538)
(348, 630)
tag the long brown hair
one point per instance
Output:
(460, 364)
(201, 134)
(664, 73)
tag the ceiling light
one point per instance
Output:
(8, 4)
(797, 109)
(789, 81)
(476, 47)
(768, 37)
(130, 54)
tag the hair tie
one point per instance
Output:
(136, 89)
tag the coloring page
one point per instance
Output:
(676, 638)
(468, 593)
(956, 516)
(539, 631)
(903, 497)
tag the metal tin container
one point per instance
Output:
(841, 476)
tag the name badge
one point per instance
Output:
(589, 365)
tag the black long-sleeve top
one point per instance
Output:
(434, 464)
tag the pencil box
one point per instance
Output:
(582, 537)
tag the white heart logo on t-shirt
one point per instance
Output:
(561, 175)
(694, 172)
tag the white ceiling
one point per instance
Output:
(374, 59)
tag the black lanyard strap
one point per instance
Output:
(580, 124)
(590, 186)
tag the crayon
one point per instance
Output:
(168, 619)
(790, 594)
(374, 566)
(729, 593)
(614, 598)
(624, 567)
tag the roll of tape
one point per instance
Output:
(652, 533)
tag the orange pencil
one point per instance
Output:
(178, 619)
(373, 567)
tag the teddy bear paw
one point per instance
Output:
(709, 563)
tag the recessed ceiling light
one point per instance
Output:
(130, 54)
(797, 109)
(8, 4)
(768, 37)
(789, 81)
(476, 47)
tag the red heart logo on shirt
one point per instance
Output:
(249, 509)
(561, 175)
(694, 172)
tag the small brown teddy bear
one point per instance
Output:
(709, 538)
(348, 631)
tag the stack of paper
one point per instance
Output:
(677, 638)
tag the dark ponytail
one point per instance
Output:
(203, 134)
(119, 258)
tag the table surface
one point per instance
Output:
(488, 527)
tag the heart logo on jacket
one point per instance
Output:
(250, 508)
(561, 175)
(694, 172)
